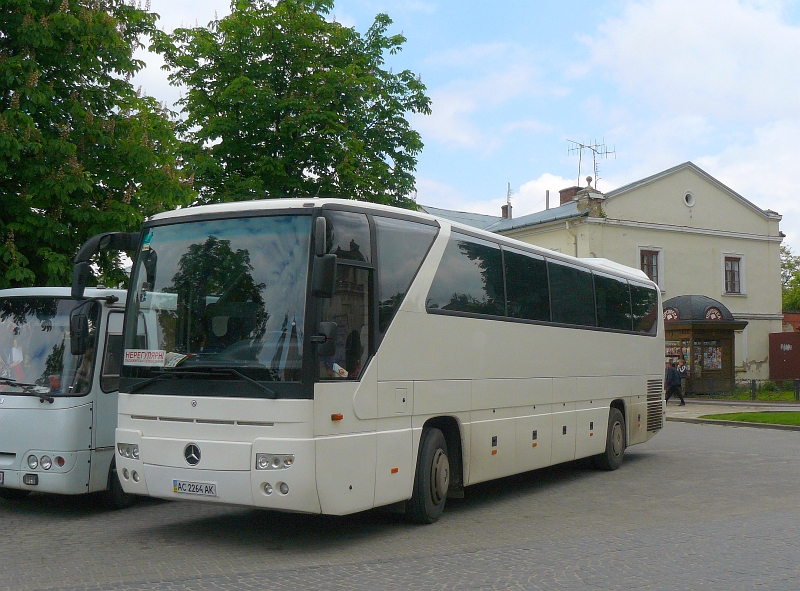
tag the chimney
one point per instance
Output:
(506, 211)
(568, 194)
(547, 199)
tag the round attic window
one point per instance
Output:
(688, 199)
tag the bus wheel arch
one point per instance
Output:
(438, 470)
(612, 457)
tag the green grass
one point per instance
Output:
(772, 418)
(761, 396)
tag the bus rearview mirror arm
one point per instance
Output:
(326, 339)
(123, 241)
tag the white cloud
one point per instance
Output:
(531, 196)
(727, 58)
(456, 105)
(765, 172)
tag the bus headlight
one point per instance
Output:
(46, 462)
(128, 450)
(33, 462)
(274, 461)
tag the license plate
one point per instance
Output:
(206, 489)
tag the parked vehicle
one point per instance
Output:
(331, 356)
(58, 410)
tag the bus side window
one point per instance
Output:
(644, 307)
(349, 309)
(402, 246)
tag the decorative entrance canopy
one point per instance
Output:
(700, 330)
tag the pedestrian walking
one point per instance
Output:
(672, 383)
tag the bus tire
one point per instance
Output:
(13, 494)
(611, 459)
(432, 478)
(114, 497)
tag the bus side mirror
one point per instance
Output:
(80, 277)
(323, 277)
(150, 261)
(78, 333)
(326, 339)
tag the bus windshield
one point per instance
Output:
(219, 294)
(35, 351)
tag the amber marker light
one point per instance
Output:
(337, 416)
(494, 452)
(533, 444)
(395, 470)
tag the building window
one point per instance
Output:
(649, 264)
(733, 275)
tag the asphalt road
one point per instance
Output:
(698, 507)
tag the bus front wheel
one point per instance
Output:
(432, 478)
(13, 494)
(611, 459)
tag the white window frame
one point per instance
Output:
(659, 262)
(742, 275)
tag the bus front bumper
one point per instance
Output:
(291, 488)
(70, 479)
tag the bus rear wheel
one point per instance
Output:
(432, 478)
(13, 494)
(611, 459)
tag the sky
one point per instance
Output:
(658, 82)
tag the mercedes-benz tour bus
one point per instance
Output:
(329, 356)
(58, 408)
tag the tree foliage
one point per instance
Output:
(80, 150)
(790, 279)
(283, 102)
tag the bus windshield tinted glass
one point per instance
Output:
(34, 347)
(220, 294)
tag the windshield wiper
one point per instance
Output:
(27, 390)
(205, 372)
(167, 375)
(237, 373)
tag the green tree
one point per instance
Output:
(790, 279)
(283, 102)
(80, 150)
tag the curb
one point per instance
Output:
(734, 423)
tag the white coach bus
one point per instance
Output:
(58, 407)
(329, 356)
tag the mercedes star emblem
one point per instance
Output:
(192, 454)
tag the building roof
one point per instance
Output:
(694, 308)
(476, 220)
(503, 225)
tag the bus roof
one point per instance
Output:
(265, 205)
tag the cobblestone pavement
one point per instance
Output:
(698, 507)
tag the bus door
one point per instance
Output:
(108, 362)
(345, 395)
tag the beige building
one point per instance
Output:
(690, 233)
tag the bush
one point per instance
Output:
(769, 386)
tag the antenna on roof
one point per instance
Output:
(597, 149)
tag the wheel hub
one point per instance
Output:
(616, 439)
(440, 476)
